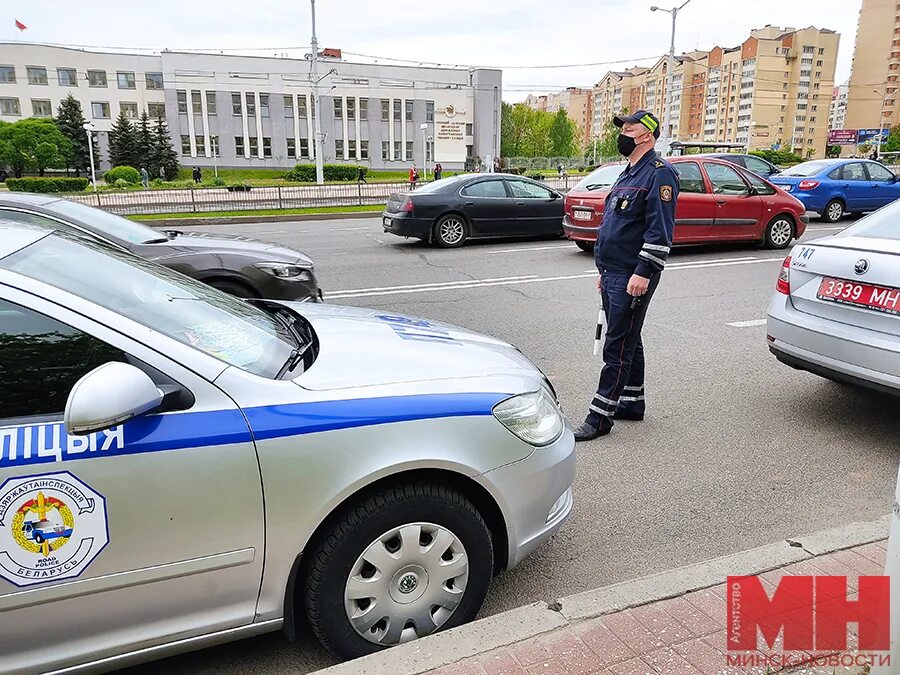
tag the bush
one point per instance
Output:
(121, 183)
(47, 185)
(306, 173)
(537, 176)
(778, 157)
(219, 181)
(129, 174)
(517, 170)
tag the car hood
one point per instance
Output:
(211, 242)
(362, 347)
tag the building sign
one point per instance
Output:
(450, 130)
(450, 119)
(760, 134)
(842, 137)
(871, 135)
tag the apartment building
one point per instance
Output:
(872, 100)
(838, 115)
(257, 112)
(773, 89)
(576, 101)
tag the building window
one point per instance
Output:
(264, 105)
(100, 110)
(409, 149)
(154, 80)
(364, 149)
(201, 145)
(185, 145)
(304, 147)
(289, 107)
(41, 108)
(239, 145)
(818, 73)
(429, 150)
(351, 149)
(214, 145)
(351, 108)
(291, 148)
(197, 102)
(470, 151)
(182, 102)
(37, 75)
(267, 146)
(398, 111)
(210, 103)
(96, 78)
(469, 130)
(254, 146)
(338, 147)
(385, 150)
(338, 108)
(235, 104)
(8, 74)
(429, 111)
(364, 109)
(821, 50)
(385, 111)
(398, 155)
(125, 80)
(251, 109)
(819, 64)
(409, 111)
(130, 110)
(68, 77)
(301, 107)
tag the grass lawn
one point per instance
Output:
(374, 208)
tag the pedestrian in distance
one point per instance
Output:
(198, 175)
(631, 252)
(559, 169)
(145, 178)
(361, 175)
(438, 171)
(413, 177)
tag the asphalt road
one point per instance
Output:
(736, 451)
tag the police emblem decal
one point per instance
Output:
(51, 527)
(665, 193)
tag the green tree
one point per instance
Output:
(162, 160)
(143, 142)
(48, 156)
(122, 142)
(562, 135)
(70, 120)
(32, 143)
(607, 146)
(892, 144)
(832, 151)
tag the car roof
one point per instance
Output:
(16, 236)
(26, 198)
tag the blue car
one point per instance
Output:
(40, 531)
(834, 187)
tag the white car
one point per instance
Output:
(836, 309)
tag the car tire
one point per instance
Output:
(234, 288)
(451, 231)
(586, 246)
(779, 232)
(38, 538)
(436, 514)
(833, 211)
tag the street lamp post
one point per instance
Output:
(88, 128)
(317, 110)
(880, 122)
(667, 113)
(424, 128)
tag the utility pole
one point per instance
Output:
(317, 109)
(670, 66)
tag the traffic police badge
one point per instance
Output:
(665, 193)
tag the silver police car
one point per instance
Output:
(180, 468)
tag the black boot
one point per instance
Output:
(588, 432)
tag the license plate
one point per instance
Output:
(878, 298)
(581, 215)
(387, 222)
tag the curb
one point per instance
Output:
(231, 220)
(507, 628)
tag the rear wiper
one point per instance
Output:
(596, 186)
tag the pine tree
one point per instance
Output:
(143, 142)
(122, 142)
(70, 120)
(163, 159)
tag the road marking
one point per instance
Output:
(514, 281)
(825, 229)
(352, 229)
(748, 324)
(531, 248)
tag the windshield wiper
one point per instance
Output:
(158, 240)
(303, 342)
(596, 186)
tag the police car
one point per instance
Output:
(371, 495)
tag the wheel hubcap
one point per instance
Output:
(406, 584)
(781, 232)
(452, 231)
(835, 211)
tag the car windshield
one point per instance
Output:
(113, 226)
(882, 224)
(434, 186)
(603, 177)
(182, 308)
(806, 169)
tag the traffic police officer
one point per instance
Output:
(633, 243)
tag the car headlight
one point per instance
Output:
(284, 271)
(533, 417)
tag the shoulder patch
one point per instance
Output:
(665, 193)
(660, 164)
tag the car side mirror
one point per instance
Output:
(896, 179)
(752, 191)
(109, 395)
(775, 171)
(554, 196)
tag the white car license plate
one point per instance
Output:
(387, 222)
(581, 215)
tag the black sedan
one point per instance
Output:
(475, 206)
(244, 267)
(757, 165)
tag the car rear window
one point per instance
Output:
(806, 169)
(882, 224)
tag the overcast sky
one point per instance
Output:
(498, 33)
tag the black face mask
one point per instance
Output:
(626, 145)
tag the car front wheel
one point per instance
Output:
(779, 232)
(834, 211)
(403, 563)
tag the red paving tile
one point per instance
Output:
(500, 662)
(574, 655)
(873, 552)
(551, 667)
(632, 667)
(702, 656)
(709, 603)
(608, 648)
(530, 652)
(670, 662)
(630, 631)
(699, 623)
(467, 667)
(664, 627)
(861, 565)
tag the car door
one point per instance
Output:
(539, 210)
(855, 188)
(122, 539)
(489, 207)
(695, 210)
(738, 211)
(883, 184)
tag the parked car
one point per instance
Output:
(235, 467)
(834, 187)
(453, 210)
(836, 308)
(718, 202)
(241, 266)
(758, 165)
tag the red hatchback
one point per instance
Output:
(718, 202)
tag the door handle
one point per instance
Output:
(721, 202)
(470, 203)
(520, 203)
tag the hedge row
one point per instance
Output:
(306, 173)
(47, 185)
(129, 174)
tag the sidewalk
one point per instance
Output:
(670, 623)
